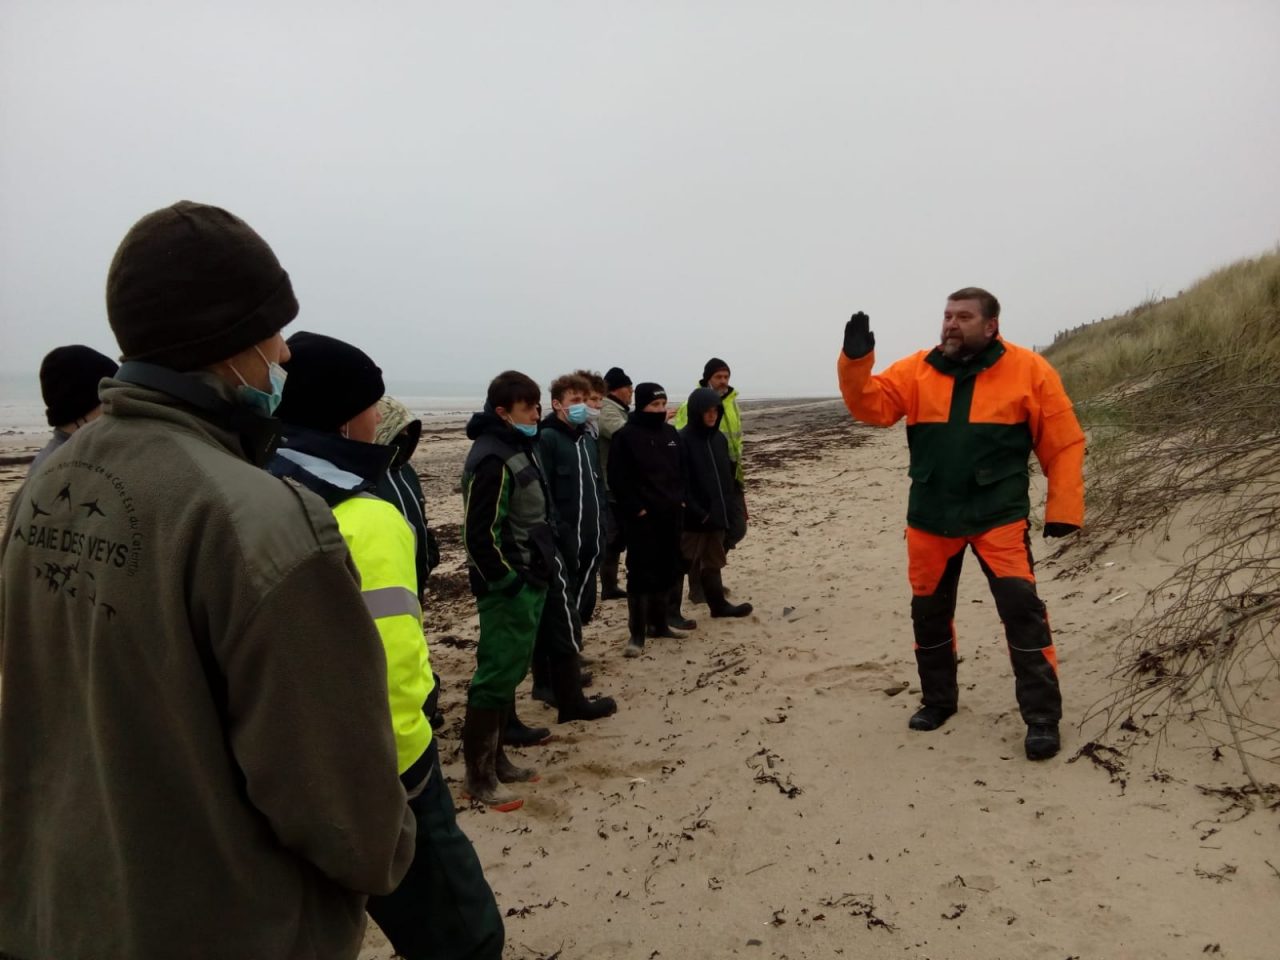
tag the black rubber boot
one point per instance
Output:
(540, 670)
(713, 587)
(481, 732)
(516, 734)
(1042, 741)
(656, 615)
(609, 589)
(506, 771)
(635, 626)
(696, 593)
(674, 617)
(573, 704)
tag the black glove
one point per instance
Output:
(858, 338)
(1059, 529)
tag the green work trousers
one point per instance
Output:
(508, 627)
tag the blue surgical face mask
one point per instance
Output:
(593, 413)
(576, 412)
(260, 401)
(528, 429)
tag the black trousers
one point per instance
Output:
(444, 908)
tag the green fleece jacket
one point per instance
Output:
(196, 757)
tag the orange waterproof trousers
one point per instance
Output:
(1004, 552)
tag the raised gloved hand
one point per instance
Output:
(858, 338)
(1059, 529)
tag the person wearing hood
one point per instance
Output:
(646, 475)
(443, 906)
(69, 378)
(709, 500)
(613, 417)
(715, 375)
(399, 428)
(196, 755)
(566, 455)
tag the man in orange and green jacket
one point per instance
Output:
(976, 408)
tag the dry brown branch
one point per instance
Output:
(1197, 442)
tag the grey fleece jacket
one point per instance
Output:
(196, 756)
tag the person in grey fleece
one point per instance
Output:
(196, 755)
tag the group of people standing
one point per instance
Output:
(216, 698)
(550, 502)
(228, 672)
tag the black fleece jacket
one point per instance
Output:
(646, 471)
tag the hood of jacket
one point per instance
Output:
(486, 422)
(329, 464)
(700, 401)
(398, 428)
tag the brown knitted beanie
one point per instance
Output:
(193, 284)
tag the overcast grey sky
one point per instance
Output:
(461, 188)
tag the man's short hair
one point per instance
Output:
(595, 380)
(511, 387)
(569, 381)
(989, 304)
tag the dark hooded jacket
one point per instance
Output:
(569, 461)
(400, 485)
(506, 521)
(709, 487)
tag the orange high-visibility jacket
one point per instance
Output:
(971, 427)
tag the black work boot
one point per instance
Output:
(635, 626)
(481, 731)
(674, 617)
(930, 718)
(939, 686)
(516, 734)
(1042, 741)
(609, 589)
(713, 587)
(573, 703)
(656, 612)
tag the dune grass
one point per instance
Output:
(1181, 398)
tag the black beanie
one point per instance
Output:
(714, 365)
(646, 393)
(191, 285)
(616, 377)
(69, 379)
(329, 382)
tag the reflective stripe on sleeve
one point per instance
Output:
(392, 602)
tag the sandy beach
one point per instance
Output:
(758, 793)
